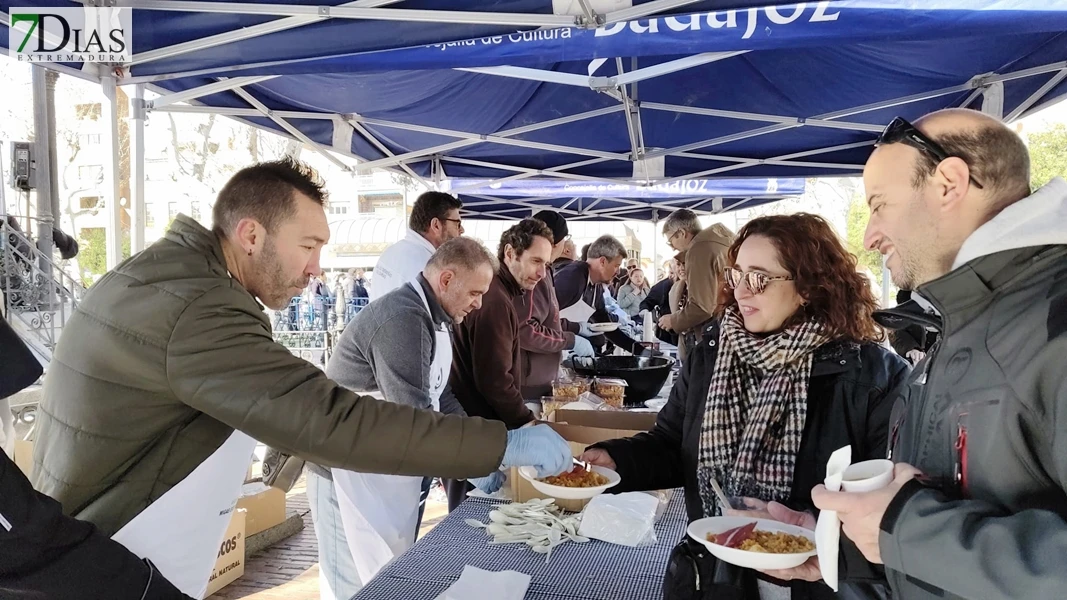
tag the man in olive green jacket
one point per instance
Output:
(170, 353)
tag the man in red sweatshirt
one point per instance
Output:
(542, 338)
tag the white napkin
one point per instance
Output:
(476, 584)
(626, 519)
(828, 528)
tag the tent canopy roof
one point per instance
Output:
(663, 91)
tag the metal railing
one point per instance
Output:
(309, 328)
(36, 289)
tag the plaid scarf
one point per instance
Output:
(756, 409)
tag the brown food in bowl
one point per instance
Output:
(577, 478)
(754, 540)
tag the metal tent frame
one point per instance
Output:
(622, 87)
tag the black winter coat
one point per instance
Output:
(848, 404)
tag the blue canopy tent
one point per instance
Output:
(586, 200)
(604, 91)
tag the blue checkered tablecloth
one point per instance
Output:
(592, 571)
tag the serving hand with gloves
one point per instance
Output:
(582, 347)
(540, 447)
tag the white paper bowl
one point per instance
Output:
(867, 476)
(569, 493)
(603, 327)
(699, 530)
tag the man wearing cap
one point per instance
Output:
(542, 338)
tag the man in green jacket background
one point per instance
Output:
(170, 353)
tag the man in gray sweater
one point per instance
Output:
(398, 347)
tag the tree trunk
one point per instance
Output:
(199, 169)
(253, 144)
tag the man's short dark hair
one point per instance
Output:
(585, 253)
(429, 206)
(462, 253)
(997, 157)
(521, 236)
(265, 192)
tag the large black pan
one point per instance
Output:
(644, 375)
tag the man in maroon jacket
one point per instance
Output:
(542, 338)
(486, 364)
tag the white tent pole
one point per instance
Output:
(110, 118)
(474, 138)
(1036, 96)
(137, 173)
(351, 12)
(542, 75)
(768, 161)
(386, 151)
(206, 90)
(673, 66)
(243, 33)
(291, 129)
(747, 116)
(644, 10)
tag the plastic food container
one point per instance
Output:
(570, 387)
(611, 390)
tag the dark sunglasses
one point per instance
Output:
(757, 282)
(900, 131)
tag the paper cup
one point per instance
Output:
(867, 476)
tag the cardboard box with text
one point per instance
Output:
(230, 564)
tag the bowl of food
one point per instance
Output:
(603, 327)
(759, 544)
(576, 484)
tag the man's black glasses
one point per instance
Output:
(901, 131)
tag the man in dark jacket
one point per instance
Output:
(582, 283)
(486, 374)
(486, 363)
(542, 338)
(658, 301)
(44, 554)
(983, 416)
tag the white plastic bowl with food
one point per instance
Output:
(603, 327)
(737, 528)
(571, 493)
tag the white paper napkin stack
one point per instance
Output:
(478, 584)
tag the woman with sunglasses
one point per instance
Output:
(790, 371)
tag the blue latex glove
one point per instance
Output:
(585, 331)
(582, 347)
(490, 483)
(539, 447)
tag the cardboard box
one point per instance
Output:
(583, 428)
(265, 506)
(24, 457)
(230, 564)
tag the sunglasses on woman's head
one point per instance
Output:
(757, 282)
(900, 131)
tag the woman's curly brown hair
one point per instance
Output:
(824, 272)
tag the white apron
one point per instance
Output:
(578, 312)
(379, 512)
(181, 531)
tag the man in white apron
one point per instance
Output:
(167, 372)
(400, 348)
(580, 287)
(434, 220)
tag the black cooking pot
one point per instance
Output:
(644, 375)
